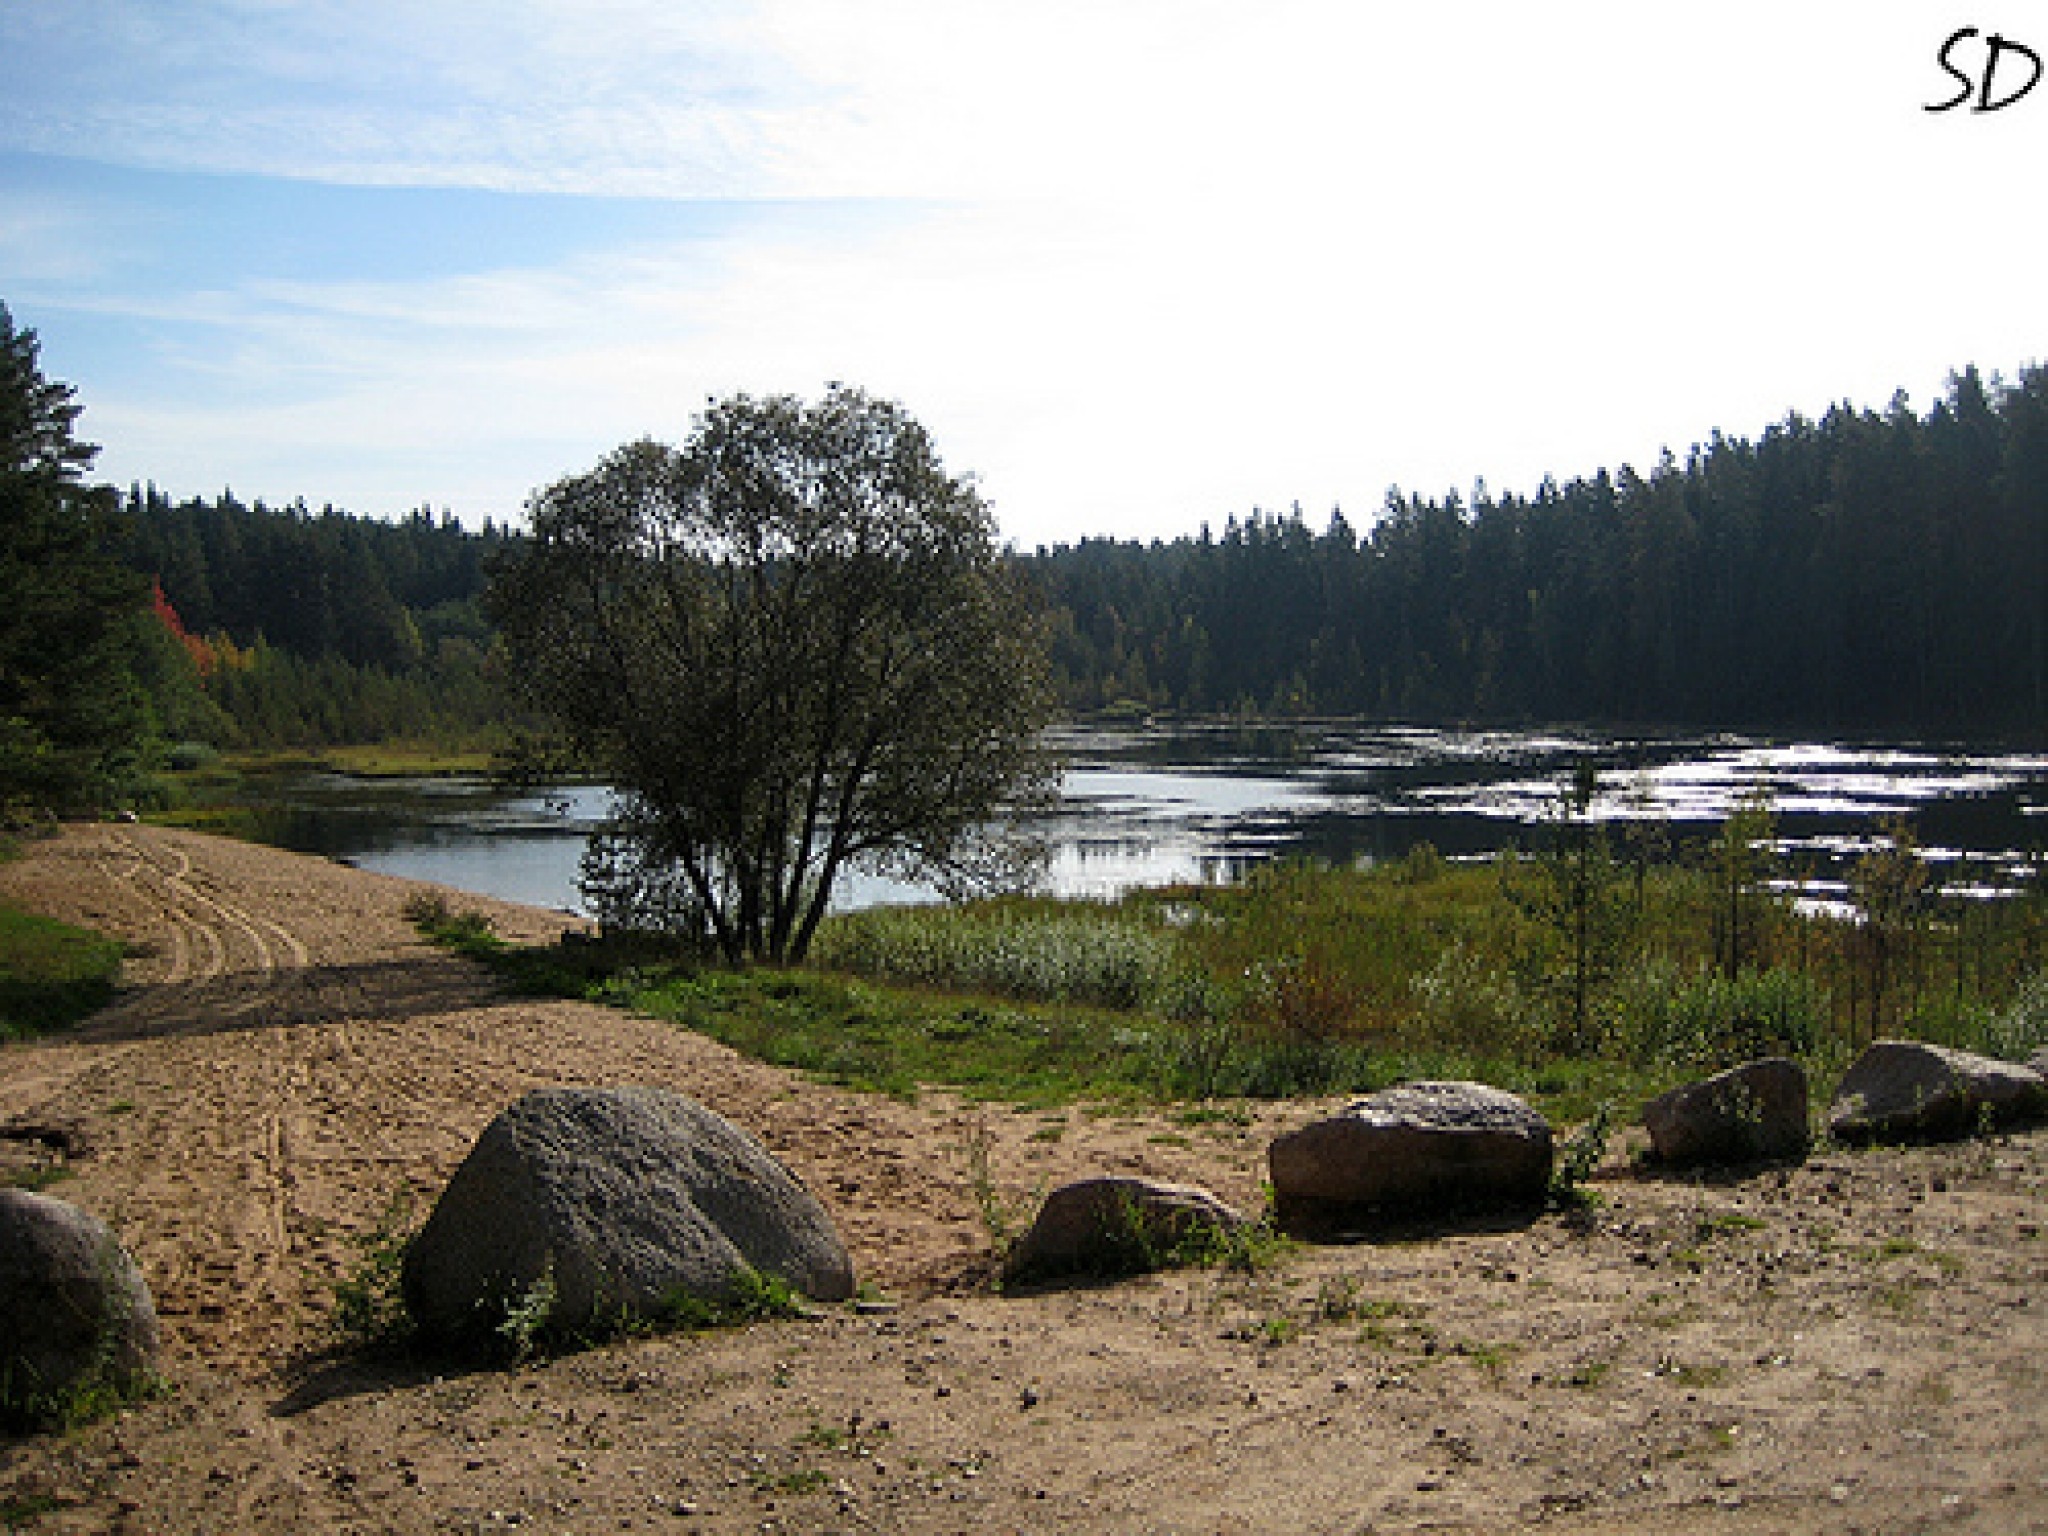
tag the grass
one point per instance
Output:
(1579, 1158)
(405, 760)
(1692, 1376)
(51, 974)
(1001, 1218)
(369, 1304)
(892, 1039)
(801, 1481)
(1059, 952)
(1908, 1248)
(36, 1180)
(25, 1512)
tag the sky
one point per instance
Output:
(1139, 265)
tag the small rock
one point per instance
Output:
(1119, 1225)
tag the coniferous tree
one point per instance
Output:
(73, 719)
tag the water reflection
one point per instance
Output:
(1206, 802)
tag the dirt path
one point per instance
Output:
(1857, 1345)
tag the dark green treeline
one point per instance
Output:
(323, 628)
(1881, 572)
(1864, 572)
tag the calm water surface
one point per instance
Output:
(1160, 804)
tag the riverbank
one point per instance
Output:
(1855, 1344)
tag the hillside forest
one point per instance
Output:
(1865, 572)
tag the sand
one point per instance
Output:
(1855, 1345)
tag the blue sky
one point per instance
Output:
(1139, 264)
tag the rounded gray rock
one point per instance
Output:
(1422, 1146)
(603, 1205)
(74, 1309)
(1757, 1112)
(1904, 1090)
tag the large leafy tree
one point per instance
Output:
(73, 719)
(795, 648)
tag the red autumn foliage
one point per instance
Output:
(204, 657)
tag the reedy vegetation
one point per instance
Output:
(1305, 979)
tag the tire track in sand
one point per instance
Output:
(273, 946)
(264, 1097)
(201, 1055)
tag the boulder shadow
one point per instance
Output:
(1719, 1175)
(1331, 1224)
(367, 1371)
(406, 987)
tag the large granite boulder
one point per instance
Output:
(1902, 1090)
(1436, 1147)
(1113, 1226)
(1753, 1113)
(75, 1313)
(581, 1208)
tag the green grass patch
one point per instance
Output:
(891, 1039)
(37, 1179)
(1910, 1248)
(26, 1511)
(51, 974)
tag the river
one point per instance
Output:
(1157, 804)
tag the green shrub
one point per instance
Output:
(1579, 1158)
(369, 1301)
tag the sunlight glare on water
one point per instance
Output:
(1203, 802)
